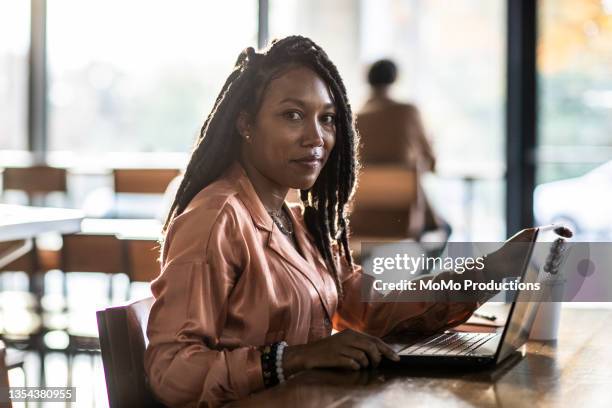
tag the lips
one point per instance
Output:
(311, 160)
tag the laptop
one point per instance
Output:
(486, 349)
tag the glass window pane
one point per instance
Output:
(320, 21)
(455, 76)
(139, 76)
(575, 130)
(15, 35)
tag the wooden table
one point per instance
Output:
(575, 371)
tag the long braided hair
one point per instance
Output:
(219, 142)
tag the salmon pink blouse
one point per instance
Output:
(231, 281)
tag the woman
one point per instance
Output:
(392, 133)
(241, 272)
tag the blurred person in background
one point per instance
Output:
(392, 133)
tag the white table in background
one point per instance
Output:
(22, 223)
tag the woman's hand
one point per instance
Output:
(347, 349)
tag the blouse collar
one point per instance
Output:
(251, 200)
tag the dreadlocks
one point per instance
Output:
(219, 142)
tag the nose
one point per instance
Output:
(313, 134)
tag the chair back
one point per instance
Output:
(123, 342)
(383, 201)
(386, 187)
(92, 253)
(34, 180)
(143, 181)
(142, 259)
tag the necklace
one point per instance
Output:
(282, 221)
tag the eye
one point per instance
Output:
(293, 115)
(328, 119)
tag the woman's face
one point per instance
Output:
(291, 136)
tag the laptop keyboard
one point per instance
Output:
(455, 344)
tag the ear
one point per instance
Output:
(243, 124)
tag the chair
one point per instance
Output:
(382, 205)
(87, 253)
(35, 180)
(382, 202)
(123, 342)
(90, 253)
(142, 256)
(142, 259)
(143, 181)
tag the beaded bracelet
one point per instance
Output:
(272, 364)
(279, 361)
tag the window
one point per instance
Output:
(139, 76)
(575, 144)
(15, 34)
(441, 67)
(331, 24)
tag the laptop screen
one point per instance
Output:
(525, 303)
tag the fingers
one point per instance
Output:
(386, 350)
(369, 347)
(381, 347)
(356, 355)
(374, 348)
(347, 362)
(352, 350)
(340, 361)
(343, 359)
